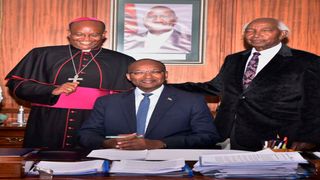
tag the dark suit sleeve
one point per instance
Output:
(212, 87)
(91, 133)
(203, 131)
(28, 79)
(310, 111)
(32, 91)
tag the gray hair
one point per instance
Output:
(281, 26)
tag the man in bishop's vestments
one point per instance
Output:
(62, 83)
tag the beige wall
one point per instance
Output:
(30, 23)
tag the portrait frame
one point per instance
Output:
(185, 44)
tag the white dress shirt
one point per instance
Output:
(265, 56)
(153, 101)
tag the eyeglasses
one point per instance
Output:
(152, 72)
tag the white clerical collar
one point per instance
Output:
(86, 50)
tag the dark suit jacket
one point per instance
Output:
(284, 99)
(176, 43)
(180, 119)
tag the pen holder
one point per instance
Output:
(283, 150)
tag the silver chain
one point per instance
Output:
(74, 66)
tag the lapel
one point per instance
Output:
(129, 110)
(276, 64)
(241, 65)
(166, 100)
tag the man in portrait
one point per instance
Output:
(161, 35)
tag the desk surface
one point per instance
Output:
(81, 155)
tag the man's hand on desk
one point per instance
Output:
(302, 146)
(133, 142)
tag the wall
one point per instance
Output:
(25, 24)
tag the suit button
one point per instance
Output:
(242, 97)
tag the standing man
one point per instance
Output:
(161, 36)
(63, 82)
(172, 118)
(267, 91)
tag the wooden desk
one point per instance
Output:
(81, 155)
(199, 177)
(11, 135)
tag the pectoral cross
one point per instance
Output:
(75, 78)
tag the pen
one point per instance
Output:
(279, 145)
(265, 145)
(285, 141)
(273, 144)
(114, 137)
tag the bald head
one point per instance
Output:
(147, 61)
(91, 19)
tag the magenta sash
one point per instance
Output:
(82, 98)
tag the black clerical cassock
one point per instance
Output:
(54, 120)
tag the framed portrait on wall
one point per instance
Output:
(169, 30)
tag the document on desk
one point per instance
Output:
(253, 165)
(186, 154)
(170, 168)
(251, 158)
(146, 167)
(72, 168)
(117, 154)
(157, 154)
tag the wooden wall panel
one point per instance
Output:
(25, 24)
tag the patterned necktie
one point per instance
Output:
(250, 71)
(142, 113)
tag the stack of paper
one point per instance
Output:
(71, 168)
(156, 154)
(175, 167)
(252, 165)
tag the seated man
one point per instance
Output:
(172, 118)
